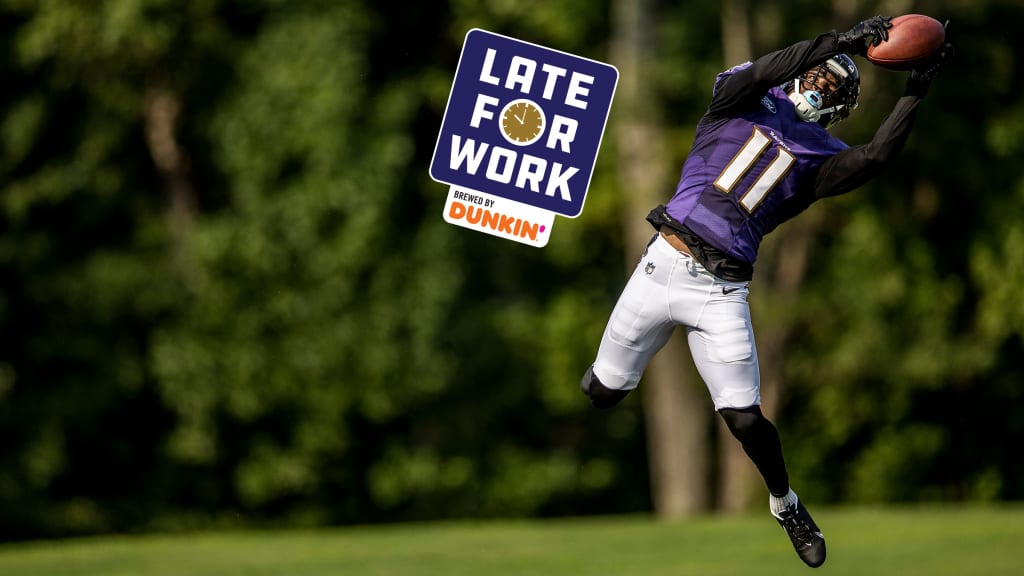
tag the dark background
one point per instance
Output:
(229, 297)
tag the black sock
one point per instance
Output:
(761, 442)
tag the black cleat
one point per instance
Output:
(803, 532)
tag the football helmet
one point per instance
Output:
(826, 93)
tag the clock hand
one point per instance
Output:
(521, 121)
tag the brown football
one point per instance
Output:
(913, 39)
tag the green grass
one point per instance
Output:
(930, 541)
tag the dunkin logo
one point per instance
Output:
(495, 221)
(498, 217)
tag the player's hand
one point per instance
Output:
(870, 32)
(927, 72)
(921, 77)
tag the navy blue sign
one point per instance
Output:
(524, 122)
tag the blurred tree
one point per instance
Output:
(82, 254)
(229, 295)
(512, 419)
(674, 408)
(892, 379)
(317, 299)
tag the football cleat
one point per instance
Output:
(808, 541)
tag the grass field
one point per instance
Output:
(925, 541)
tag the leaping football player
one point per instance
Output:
(762, 154)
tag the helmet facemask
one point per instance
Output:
(826, 93)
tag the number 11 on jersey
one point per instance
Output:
(744, 160)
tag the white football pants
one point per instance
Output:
(669, 288)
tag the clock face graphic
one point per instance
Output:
(522, 122)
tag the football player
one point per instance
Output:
(762, 154)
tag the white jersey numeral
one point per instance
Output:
(745, 159)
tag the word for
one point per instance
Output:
(562, 132)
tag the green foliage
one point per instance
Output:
(910, 313)
(280, 328)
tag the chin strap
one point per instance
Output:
(808, 104)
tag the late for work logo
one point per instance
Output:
(520, 136)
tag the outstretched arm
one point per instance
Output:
(746, 86)
(855, 166)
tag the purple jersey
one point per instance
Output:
(749, 172)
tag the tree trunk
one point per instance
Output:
(736, 39)
(161, 109)
(675, 407)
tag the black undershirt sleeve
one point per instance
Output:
(746, 87)
(855, 166)
(847, 170)
(842, 173)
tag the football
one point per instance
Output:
(913, 39)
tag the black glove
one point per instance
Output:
(921, 77)
(870, 32)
